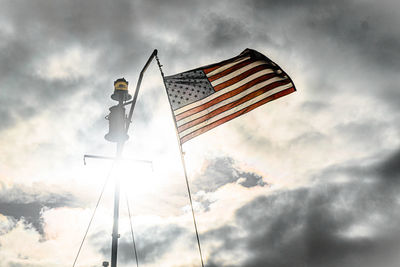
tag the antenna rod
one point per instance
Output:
(128, 121)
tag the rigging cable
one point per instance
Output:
(184, 168)
(133, 237)
(94, 212)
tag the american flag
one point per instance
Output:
(206, 97)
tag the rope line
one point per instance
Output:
(191, 206)
(133, 237)
(184, 168)
(94, 212)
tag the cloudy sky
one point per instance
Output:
(309, 180)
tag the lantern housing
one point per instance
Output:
(121, 92)
(117, 121)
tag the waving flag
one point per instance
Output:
(209, 96)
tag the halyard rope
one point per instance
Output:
(94, 212)
(133, 237)
(184, 169)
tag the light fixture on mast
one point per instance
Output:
(117, 118)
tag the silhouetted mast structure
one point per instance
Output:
(119, 123)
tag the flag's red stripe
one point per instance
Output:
(225, 96)
(231, 69)
(240, 77)
(236, 114)
(212, 68)
(232, 105)
(223, 63)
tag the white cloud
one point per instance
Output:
(73, 63)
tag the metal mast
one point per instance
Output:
(119, 124)
(117, 133)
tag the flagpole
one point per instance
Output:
(184, 168)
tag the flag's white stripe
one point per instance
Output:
(221, 92)
(229, 100)
(227, 66)
(235, 109)
(236, 72)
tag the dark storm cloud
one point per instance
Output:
(28, 203)
(355, 23)
(94, 23)
(221, 171)
(41, 30)
(251, 179)
(151, 244)
(390, 169)
(345, 45)
(225, 31)
(317, 225)
(30, 212)
(7, 119)
(39, 96)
